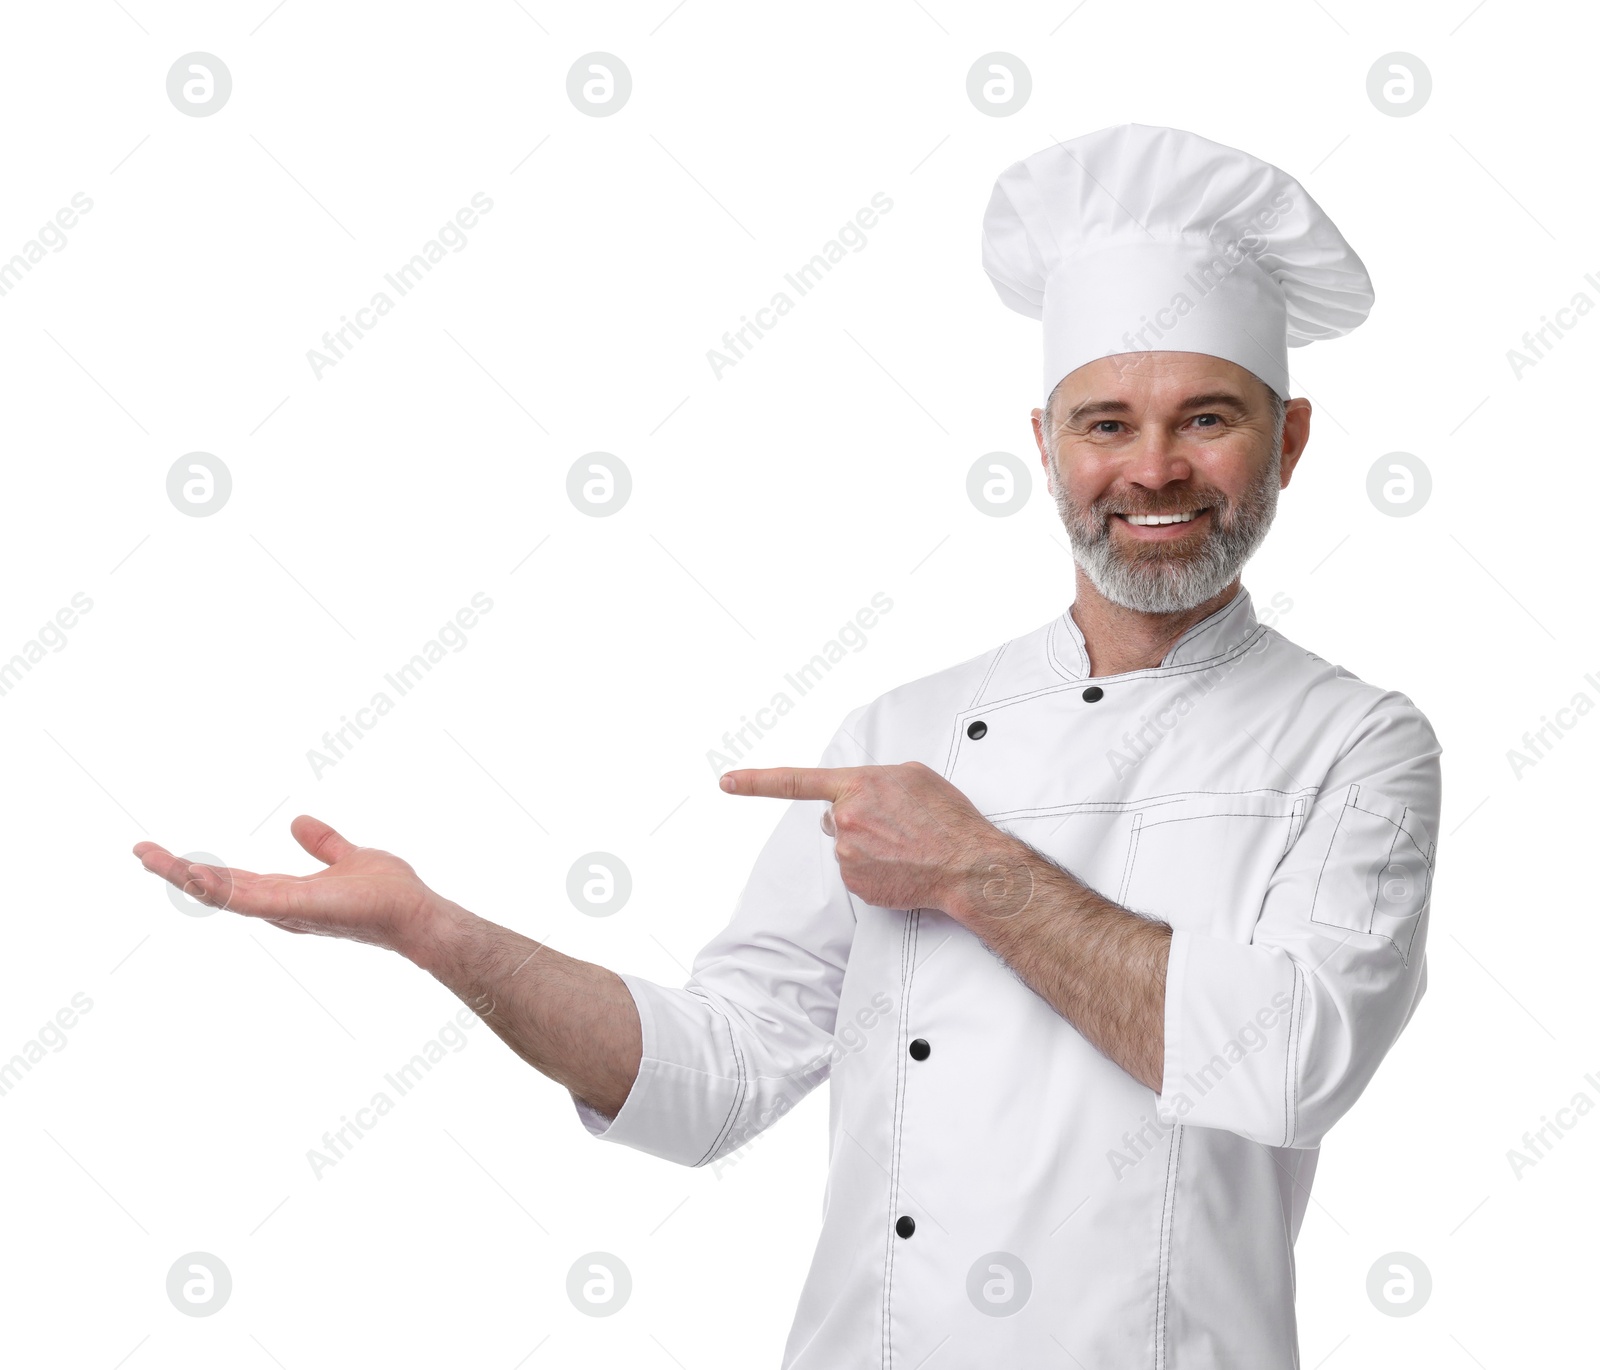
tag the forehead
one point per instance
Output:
(1146, 378)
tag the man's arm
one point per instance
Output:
(1099, 966)
(1331, 976)
(571, 1020)
(906, 838)
(574, 1021)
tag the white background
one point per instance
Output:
(768, 506)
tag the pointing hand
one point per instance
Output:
(905, 837)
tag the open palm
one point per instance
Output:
(365, 894)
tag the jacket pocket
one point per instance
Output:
(1378, 871)
(1202, 861)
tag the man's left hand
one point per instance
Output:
(905, 837)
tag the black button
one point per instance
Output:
(977, 729)
(920, 1049)
(1092, 694)
(906, 1226)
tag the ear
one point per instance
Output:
(1296, 434)
(1044, 455)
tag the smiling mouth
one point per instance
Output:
(1157, 520)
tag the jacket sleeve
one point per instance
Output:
(1276, 1038)
(751, 1033)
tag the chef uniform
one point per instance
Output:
(1000, 1194)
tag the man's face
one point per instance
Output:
(1166, 433)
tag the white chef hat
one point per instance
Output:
(1139, 239)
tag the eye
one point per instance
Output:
(1201, 419)
(1107, 426)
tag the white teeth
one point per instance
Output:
(1151, 519)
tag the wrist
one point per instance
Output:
(996, 880)
(438, 934)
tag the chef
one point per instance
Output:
(1093, 936)
(1132, 905)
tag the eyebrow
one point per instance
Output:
(1216, 399)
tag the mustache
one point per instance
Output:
(1191, 504)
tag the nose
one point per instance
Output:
(1155, 459)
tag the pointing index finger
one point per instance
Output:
(789, 782)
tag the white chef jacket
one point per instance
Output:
(1276, 810)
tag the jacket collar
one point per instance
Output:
(1219, 634)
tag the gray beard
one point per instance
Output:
(1157, 579)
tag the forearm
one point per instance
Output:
(1099, 966)
(571, 1020)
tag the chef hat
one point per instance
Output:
(1139, 239)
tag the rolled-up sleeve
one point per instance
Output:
(751, 1033)
(1276, 1038)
